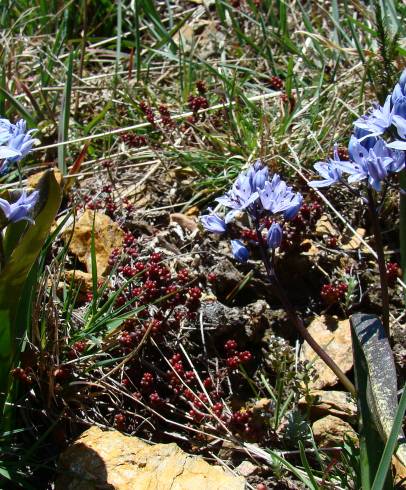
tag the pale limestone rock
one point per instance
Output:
(246, 468)
(337, 403)
(353, 241)
(324, 226)
(80, 278)
(113, 461)
(107, 236)
(335, 338)
(186, 222)
(330, 431)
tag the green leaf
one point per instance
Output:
(307, 466)
(19, 107)
(94, 269)
(97, 118)
(375, 376)
(16, 270)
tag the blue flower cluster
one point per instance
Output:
(260, 196)
(372, 157)
(15, 142)
(21, 209)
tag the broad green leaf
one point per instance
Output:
(17, 269)
(375, 376)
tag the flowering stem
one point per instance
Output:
(2, 257)
(295, 319)
(381, 261)
(402, 225)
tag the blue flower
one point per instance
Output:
(258, 175)
(19, 141)
(254, 193)
(398, 100)
(400, 88)
(378, 120)
(277, 197)
(5, 130)
(331, 171)
(244, 192)
(240, 196)
(7, 152)
(398, 160)
(274, 237)
(240, 252)
(363, 137)
(294, 206)
(373, 166)
(21, 209)
(213, 223)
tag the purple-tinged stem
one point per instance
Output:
(2, 258)
(381, 261)
(295, 319)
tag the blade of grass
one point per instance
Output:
(94, 269)
(19, 107)
(64, 116)
(307, 466)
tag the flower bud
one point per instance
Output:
(260, 177)
(274, 237)
(294, 207)
(240, 252)
(213, 223)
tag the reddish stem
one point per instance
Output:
(295, 319)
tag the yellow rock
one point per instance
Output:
(84, 279)
(186, 222)
(112, 460)
(324, 226)
(337, 403)
(107, 236)
(335, 338)
(330, 431)
(351, 241)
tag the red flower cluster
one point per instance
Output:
(197, 102)
(149, 113)
(201, 87)
(301, 226)
(24, 375)
(235, 357)
(153, 281)
(134, 140)
(276, 83)
(332, 294)
(104, 201)
(392, 272)
(166, 118)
